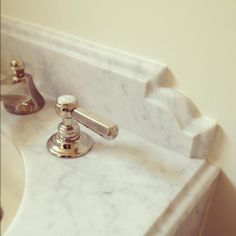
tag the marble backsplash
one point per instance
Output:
(139, 95)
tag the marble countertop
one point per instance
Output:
(120, 187)
(145, 182)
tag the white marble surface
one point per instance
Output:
(142, 183)
(140, 95)
(119, 188)
(193, 223)
(180, 214)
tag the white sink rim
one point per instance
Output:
(12, 181)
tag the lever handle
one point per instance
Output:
(99, 125)
(67, 107)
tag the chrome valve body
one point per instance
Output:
(69, 141)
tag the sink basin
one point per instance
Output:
(12, 181)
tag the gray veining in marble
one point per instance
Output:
(119, 188)
(146, 100)
(140, 184)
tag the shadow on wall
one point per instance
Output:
(221, 219)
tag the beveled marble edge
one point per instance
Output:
(182, 206)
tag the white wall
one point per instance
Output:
(195, 38)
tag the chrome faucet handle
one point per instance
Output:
(69, 141)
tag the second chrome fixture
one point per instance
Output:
(23, 97)
(69, 141)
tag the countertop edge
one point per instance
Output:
(177, 212)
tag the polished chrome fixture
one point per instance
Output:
(24, 98)
(69, 141)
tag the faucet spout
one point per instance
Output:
(30, 100)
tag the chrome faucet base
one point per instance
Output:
(19, 105)
(70, 149)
